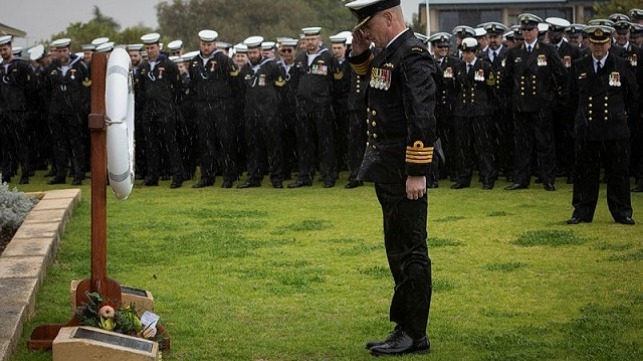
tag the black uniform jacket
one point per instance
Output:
(16, 83)
(160, 87)
(446, 82)
(401, 104)
(604, 100)
(216, 78)
(68, 91)
(533, 79)
(316, 82)
(262, 88)
(475, 91)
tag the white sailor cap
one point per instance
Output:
(268, 45)
(105, 47)
(5, 39)
(175, 45)
(348, 35)
(338, 39)
(176, 59)
(241, 48)
(16, 50)
(557, 24)
(479, 32)
(61, 43)
(208, 36)
(543, 27)
(151, 38)
(191, 54)
(312, 30)
(36, 52)
(253, 41)
(99, 41)
(288, 42)
(223, 45)
(463, 31)
(88, 47)
(135, 47)
(469, 44)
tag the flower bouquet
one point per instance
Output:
(104, 314)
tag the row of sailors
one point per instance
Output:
(494, 33)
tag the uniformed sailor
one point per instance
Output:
(214, 82)
(159, 86)
(287, 106)
(606, 93)
(340, 98)
(401, 102)
(175, 47)
(534, 76)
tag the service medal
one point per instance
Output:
(73, 74)
(567, 60)
(262, 80)
(634, 60)
(479, 75)
(615, 79)
(542, 60)
(448, 73)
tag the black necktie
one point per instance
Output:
(495, 54)
(598, 66)
(468, 68)
(529, 49)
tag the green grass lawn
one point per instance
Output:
(267, 274)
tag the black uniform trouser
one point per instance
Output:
(444, 127)
(505, 144)
(160, 131)
(340, 136)
(407, 252)
(68, 142)
(316, 124)
(217, 138)
(474, 135)
(289, 140)
(590, 155)
(356, 142)
(563, 127)
(15, 145)
(263, 137)
(186, 136)
(534, 129)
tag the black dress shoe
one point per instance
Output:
(432, 184)
(56, 180)
(24, 180)
(329, 184)
(300, 183)
(277, 184)
(391, 336)
(401, 345)
(487, 186)
(638, 188)
(575, 220)
(176, 184)
(248, 184)
(76, 182)
(626, 220)
(549, 187)
(353, 184)
(226, 184)
(515, 186)
(204, 182)
(459, 185)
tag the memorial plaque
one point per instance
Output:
(114, 339)
(134, 291)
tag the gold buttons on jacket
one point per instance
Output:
(374, 113)
(375, 135)
(374, 124)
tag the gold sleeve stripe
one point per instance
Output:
(362, 69)
(418, 153)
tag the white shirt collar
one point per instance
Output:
(394, 38)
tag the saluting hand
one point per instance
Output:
(415, 187)
(360, 43)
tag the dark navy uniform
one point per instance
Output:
(357, 124)
(160, 87)
(288, 113)
(533, 80)
(604, 100)
(444, 117)
(67, 86)
(401, 137)
(16, 84)
(473, 126)
(315, 117)
(263, 125)
(214, 83)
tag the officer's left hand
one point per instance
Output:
(415, 187)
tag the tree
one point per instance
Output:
(236, 20)
(605, 8)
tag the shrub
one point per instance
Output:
(14, 207)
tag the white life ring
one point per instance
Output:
(119, 108)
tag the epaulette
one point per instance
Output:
(417, 48)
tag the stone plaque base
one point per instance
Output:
(143, 299)
(89, 343)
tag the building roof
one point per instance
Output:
(12, 31)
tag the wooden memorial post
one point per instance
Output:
(43, 335)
